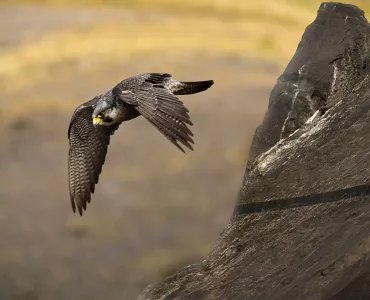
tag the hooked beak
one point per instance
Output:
(97, 120)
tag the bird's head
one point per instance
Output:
(104, 114)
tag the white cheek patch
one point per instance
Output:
(114, 113)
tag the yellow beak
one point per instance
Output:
(97, 120)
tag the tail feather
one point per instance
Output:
(187, 88)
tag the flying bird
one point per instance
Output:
(151, 95)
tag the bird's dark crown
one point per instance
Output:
(102, 107)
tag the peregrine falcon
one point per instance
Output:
(152, 95)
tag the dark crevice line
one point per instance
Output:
(293, 202)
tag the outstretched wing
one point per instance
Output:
(87, 150)
(147, 95)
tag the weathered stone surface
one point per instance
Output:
(314, 143)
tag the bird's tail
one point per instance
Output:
(186, 88)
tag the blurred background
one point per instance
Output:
(155, 209)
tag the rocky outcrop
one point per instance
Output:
(301, 229)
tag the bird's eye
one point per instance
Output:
(108, 120)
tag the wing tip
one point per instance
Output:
(81, 208)
(73, 206)
(80, 211)
(78, 205)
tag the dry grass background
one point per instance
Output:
(268, 29)
(155, 209)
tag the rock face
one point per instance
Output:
(301, 227)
